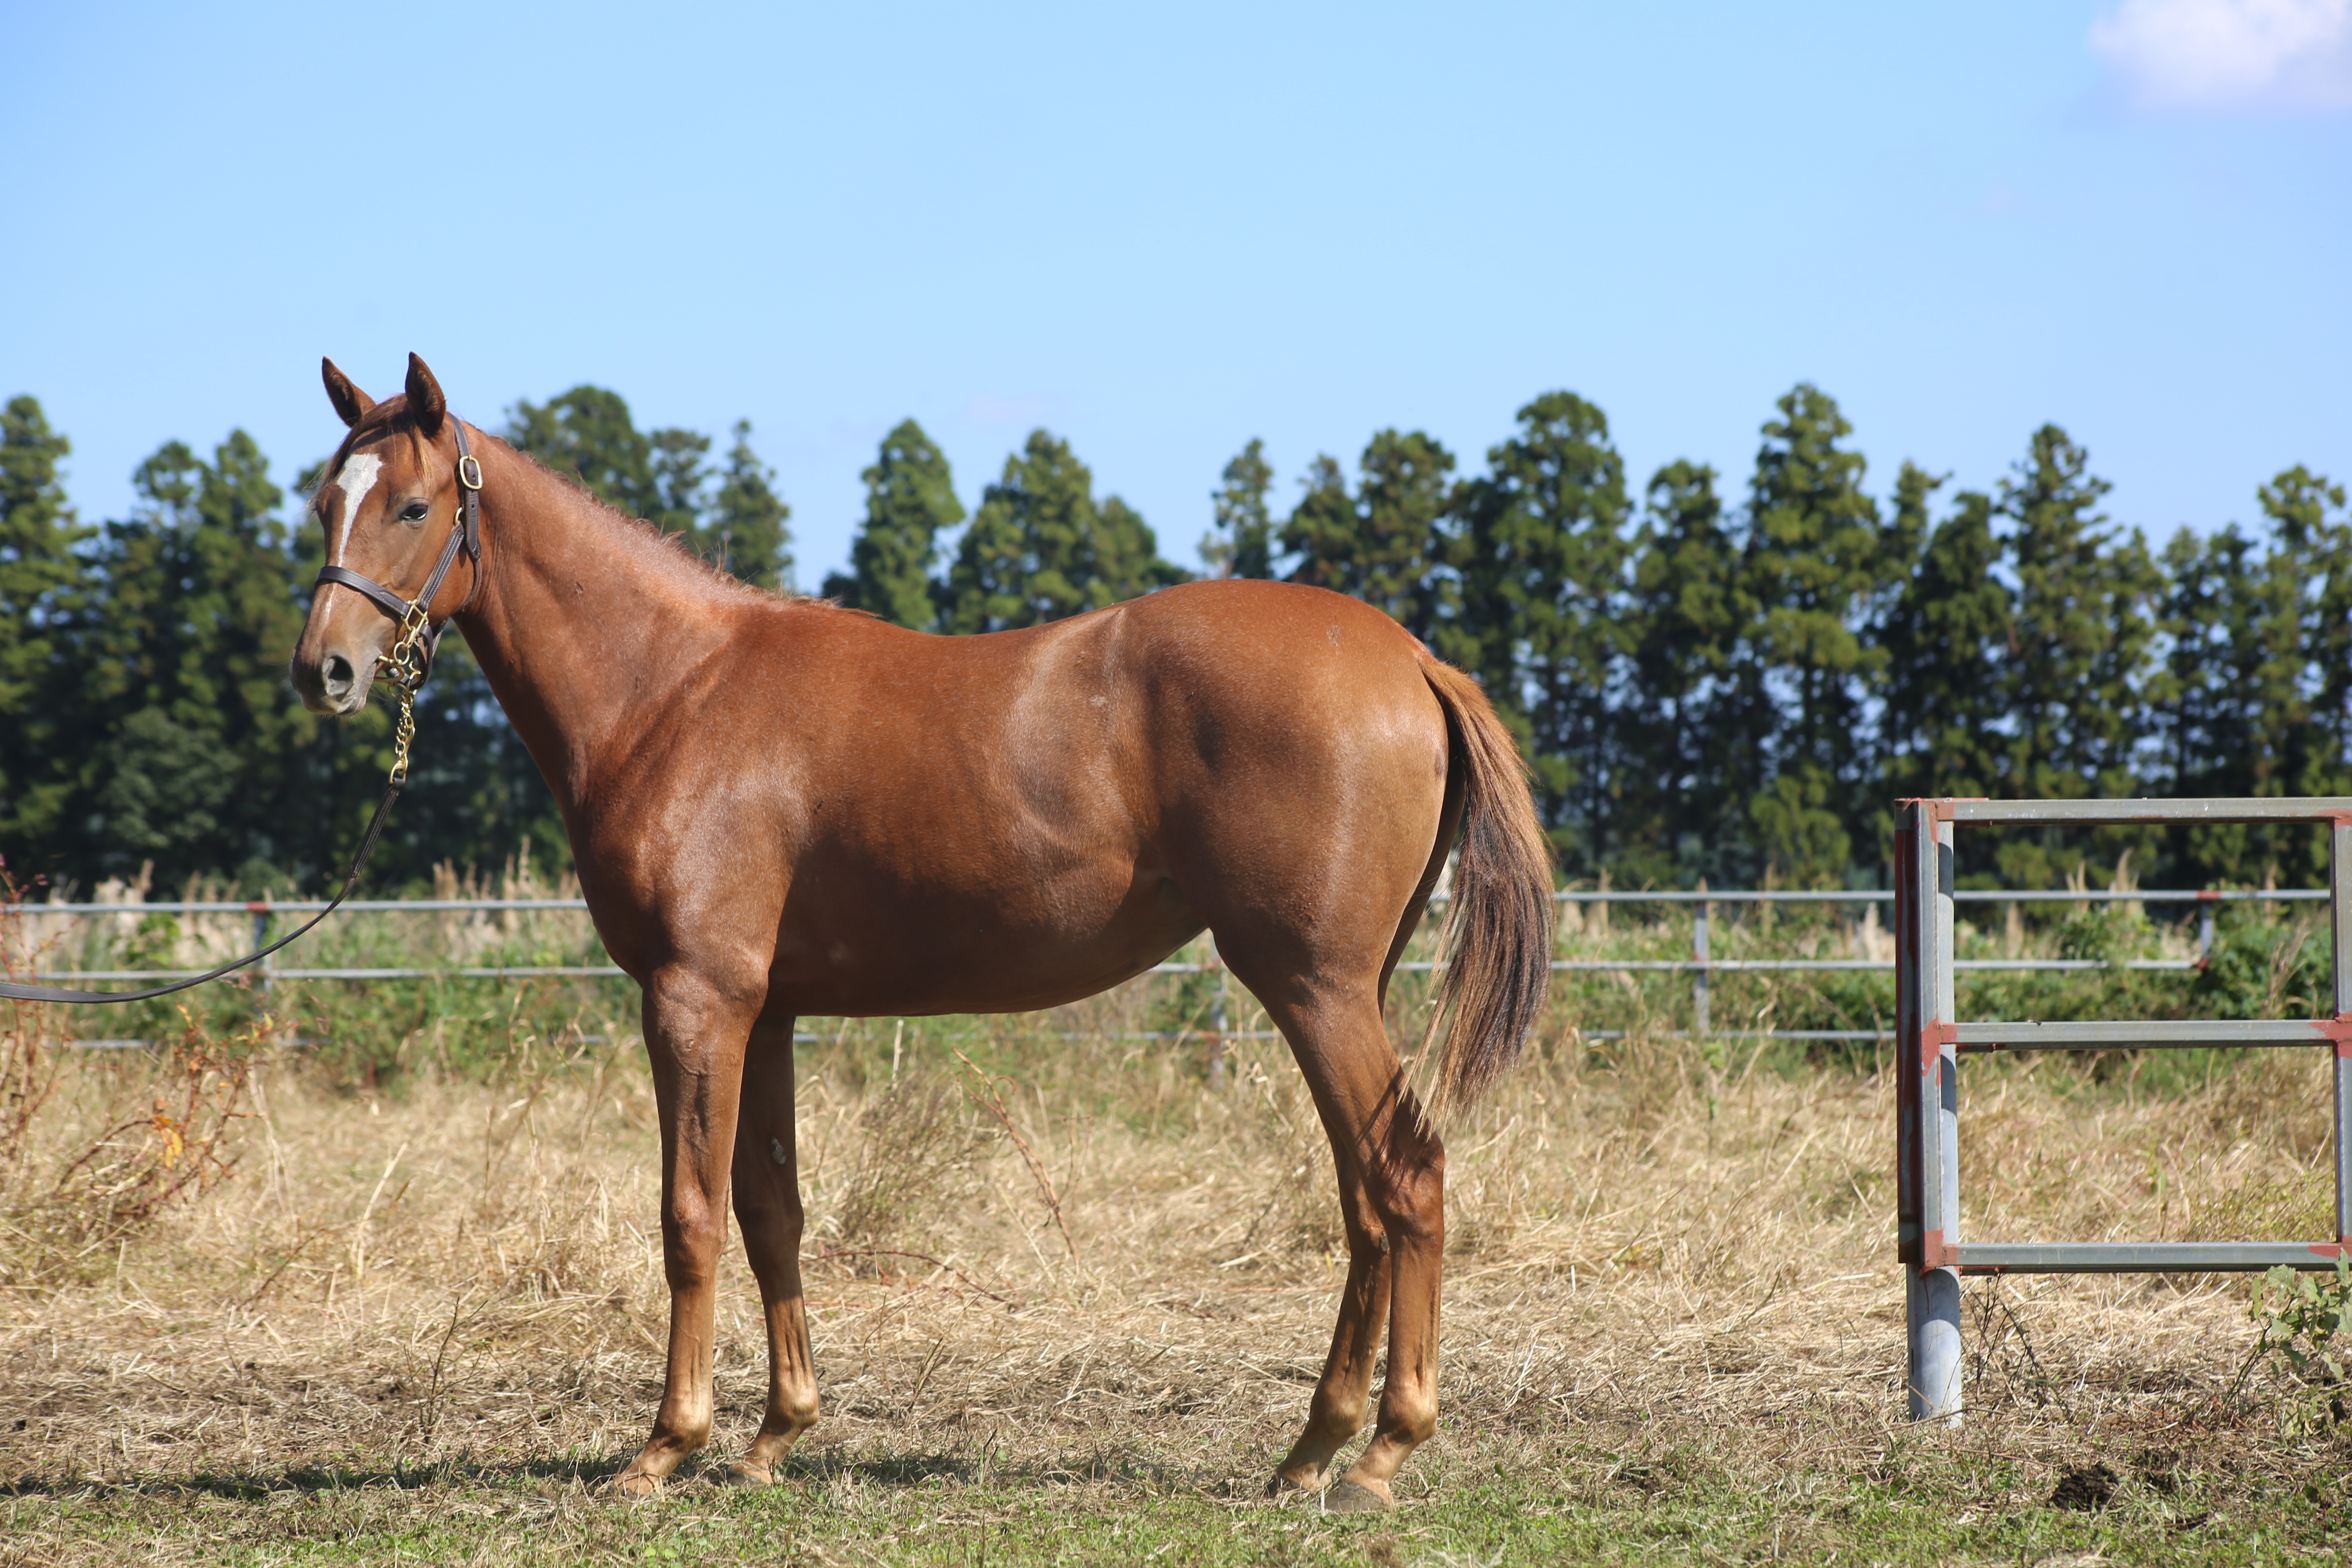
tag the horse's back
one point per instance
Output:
(1041, 813)
(1200, 666)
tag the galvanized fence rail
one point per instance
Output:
(1701, 965)
(1927, 1116)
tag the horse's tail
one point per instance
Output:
(1498, 937)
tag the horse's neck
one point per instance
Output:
(583, 618)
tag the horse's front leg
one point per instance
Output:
(694, 1034)
(767, 1206)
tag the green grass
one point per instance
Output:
(1547, 1501)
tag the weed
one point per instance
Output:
(915, 1157)
(2297, 1320)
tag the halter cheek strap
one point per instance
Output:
(466, 534)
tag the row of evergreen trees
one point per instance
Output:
(1734, 686)
(1741, 689)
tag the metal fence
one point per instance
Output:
(1927, 1115)
(1701, 965)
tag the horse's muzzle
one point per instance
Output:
(334, 682)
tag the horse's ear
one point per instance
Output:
(425, 404)
(350, 404)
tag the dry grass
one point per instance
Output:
(1664, 1274)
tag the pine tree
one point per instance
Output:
(1240, 541)
(1945, 639)
(1541, 560)
(1688, 772)
(745, 530)
(587, 434)
(1820, 563)
(195, 735)
(676, 498)
(2314, 533)
(39, 579)
(2084, 630)
(1321, 529)
(909, 501)
(1040, 548)
(2302, 718)
(2227, 702)
(1382, 546)
(1127, 562)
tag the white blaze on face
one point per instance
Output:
(356, 478)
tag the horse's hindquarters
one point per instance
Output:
(1304, 774)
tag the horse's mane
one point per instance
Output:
(668, 551)
(666, 554)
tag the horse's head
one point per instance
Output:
(388, 502)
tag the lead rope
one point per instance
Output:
(16, 991)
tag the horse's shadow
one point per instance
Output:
(252, 1485)
(820, 1470)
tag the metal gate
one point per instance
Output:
(1927, 1172)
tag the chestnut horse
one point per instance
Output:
(780, 807)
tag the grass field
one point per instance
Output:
(263, 1307)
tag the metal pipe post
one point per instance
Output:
(1929, 1131)
(1940, 1366)
(2340, 885)
(261, 938)
(1699, 976)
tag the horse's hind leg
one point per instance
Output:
(1337, 1412)
(768, 1207)
(1392, 1196)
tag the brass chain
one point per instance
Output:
(403, 670)
(403, 732)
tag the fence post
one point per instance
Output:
(1217, 1019)
(1699, 998)
(2339, 910)
(1928, 1132)
(259, 909)
(2206, 903)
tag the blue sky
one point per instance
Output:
(1160, 233)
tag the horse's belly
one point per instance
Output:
(852, 957)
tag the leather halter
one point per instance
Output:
(466, 531)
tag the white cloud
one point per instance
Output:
(2261, 54)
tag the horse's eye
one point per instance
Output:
(412, 512)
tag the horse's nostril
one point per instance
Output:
(338, 674)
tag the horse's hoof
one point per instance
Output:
(637, 1486)
(1283, 1486)
(744, 1473)
(1358, 1497)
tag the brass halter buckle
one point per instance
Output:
(405, 665)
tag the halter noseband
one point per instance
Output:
(412, 656)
